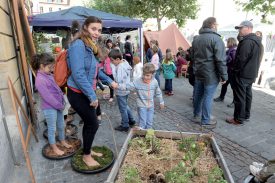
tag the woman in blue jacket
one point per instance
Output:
(82, 62)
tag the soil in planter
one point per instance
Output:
(173, 163)
(76, 144)
(70, 130)
(105, 161)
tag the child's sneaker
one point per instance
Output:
(121, 128)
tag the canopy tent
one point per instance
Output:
(63, 19)
(170, 37)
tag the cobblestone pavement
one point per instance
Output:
(240, 145)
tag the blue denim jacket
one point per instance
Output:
(82, 63)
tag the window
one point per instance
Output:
(50, 9)
(41, 10)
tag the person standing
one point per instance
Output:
(82, 62)
(209, 69)
(155, 62)
(129, 50)
(245, 71)
(169, 69)
(230, 58)
(120, 44)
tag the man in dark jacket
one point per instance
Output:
(245, 71)
(209, 69)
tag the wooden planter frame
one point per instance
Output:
(169, 135)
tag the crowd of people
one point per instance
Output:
(92, 62)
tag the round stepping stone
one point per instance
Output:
(105, 161)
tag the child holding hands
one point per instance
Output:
(147, 88)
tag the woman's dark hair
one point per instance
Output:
(208, 23)
(108, 41)
(128, 37)
(115, 53)
(43, 58)
(87, 22)
(75, 27)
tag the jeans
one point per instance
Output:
(157, 76)
(203, 98)
(242, 97)
(125, 111)
(55, 119)
(168, 85)
(145, 116)
(81, 104)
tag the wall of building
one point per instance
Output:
(53, 5)
(8, 68)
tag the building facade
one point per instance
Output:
(45, 6)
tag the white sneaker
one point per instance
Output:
(254, 170)
(258, 165)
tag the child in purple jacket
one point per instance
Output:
(52, 101)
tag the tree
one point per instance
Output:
(180, 10)
(263, 7)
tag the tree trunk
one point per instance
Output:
(159, 23)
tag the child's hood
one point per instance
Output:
(125, 65)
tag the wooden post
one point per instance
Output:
(23, 60)
(27, 33)
(24, 145)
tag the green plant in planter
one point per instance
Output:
(216, 176)
(190, 148)
(153, 143)
(179, 174)
(131, 175)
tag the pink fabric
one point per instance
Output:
(155, 61)
(180, 62)
(95, 76)
(107, 66)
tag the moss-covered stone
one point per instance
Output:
(104, 161)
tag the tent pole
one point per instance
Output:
(140, 31)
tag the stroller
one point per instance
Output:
(261, 173)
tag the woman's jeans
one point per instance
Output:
(146, 116)
(157, 76)
(203, 99)
(125, 111)
(54, 119)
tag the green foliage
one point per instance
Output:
(104, 161)
(38, 38)
(216, 176)
(190, 148)
(265, 8)
(179, 10)
(150, 144)
(131, 175)
(179, 174)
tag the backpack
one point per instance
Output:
(61, 70)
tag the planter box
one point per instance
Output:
(169, 135)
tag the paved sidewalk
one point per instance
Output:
(240, 145)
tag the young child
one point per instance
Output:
(147, 88)
(169, 69)
(155, 62)
(137, 68)
(121, 73)
(180, 62)
(52, 103)
(108, 70)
